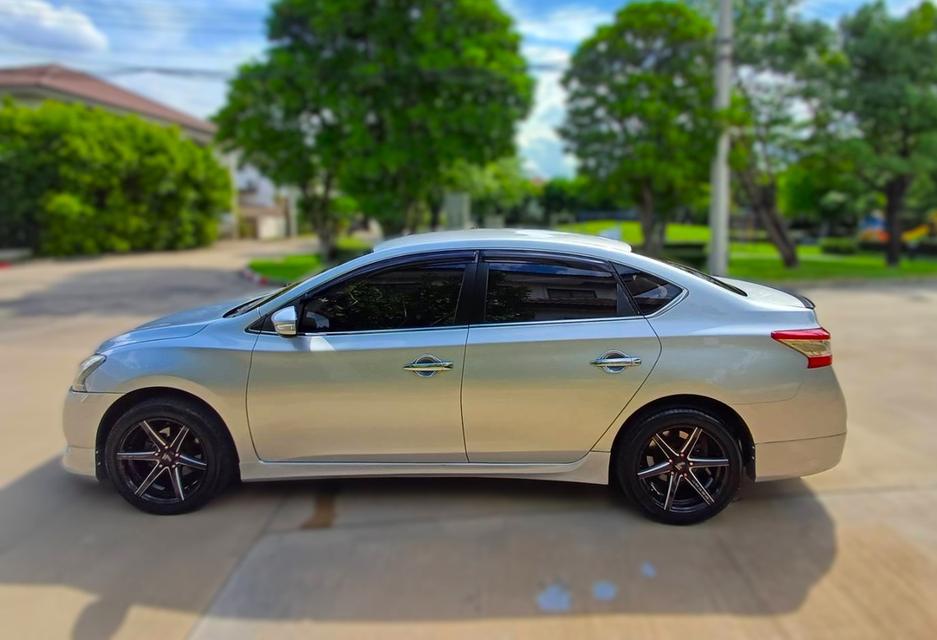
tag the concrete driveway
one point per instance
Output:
(851, 553)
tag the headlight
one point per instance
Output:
(85, 369)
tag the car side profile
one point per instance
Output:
(505, 353)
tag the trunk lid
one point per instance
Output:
(764, 294)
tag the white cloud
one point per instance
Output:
(37, 23)
(568, 24)
(537, 138)
(549, 37)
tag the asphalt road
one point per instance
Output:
(851, 553)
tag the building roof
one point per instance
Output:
(500, 238)
(86, 87)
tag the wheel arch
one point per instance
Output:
(719, 409)
(135, 397)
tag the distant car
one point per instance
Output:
(502, 353)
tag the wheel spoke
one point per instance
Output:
(192, 462)
(177, 441)
(143, 456)
(705, 463)
(699, 488)
(150, 479)
(672, 487)
(176, 477)
(666, 448)
(153, 435)
(691, 441)
(658, 469)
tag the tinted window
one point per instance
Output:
(531, 291)
(409, 297)
(649, 293)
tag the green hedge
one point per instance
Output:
(81, 180)
(839, 246)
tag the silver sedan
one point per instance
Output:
(503, 353)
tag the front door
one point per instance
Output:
(374, 375)
(557, 356)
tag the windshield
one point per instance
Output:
(707, 277)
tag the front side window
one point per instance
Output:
(521, 291)
(407, 297)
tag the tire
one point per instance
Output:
(674, 481)
(178, 450)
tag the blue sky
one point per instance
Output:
(115, 38)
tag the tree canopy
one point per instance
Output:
(881, 92)
(639, 113)
(382, 97)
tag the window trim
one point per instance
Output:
(469, 280)
(625, 307)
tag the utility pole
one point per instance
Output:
(719, 173)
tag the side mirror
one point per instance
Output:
(284, 322)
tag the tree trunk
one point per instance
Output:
(895, 190)
(322, 220)
(764, 203)
(652, 230)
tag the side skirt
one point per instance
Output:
(592, 468)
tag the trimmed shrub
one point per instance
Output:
(839, 246)
(82, 180)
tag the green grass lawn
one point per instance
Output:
(747, 260)
(760, 261)
(292, 268)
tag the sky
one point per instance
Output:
(124, 40)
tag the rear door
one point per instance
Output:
(557, 354)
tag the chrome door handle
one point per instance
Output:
(428, 365)
(615, 361)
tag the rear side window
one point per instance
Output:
(408, 297)
(522, 291)
(648, 292)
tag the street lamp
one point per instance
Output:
(719, 174)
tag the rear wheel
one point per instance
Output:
(168, 457)
(680, 466)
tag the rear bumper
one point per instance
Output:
(800, 436)
(795, 458)
(81, 417)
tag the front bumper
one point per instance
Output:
(81, 418)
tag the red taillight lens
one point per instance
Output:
(813, 343)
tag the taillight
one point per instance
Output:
(813, 343)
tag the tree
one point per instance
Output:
(498, 188)
(278, 119)
(775, 53)
(639, 112)
(883, 103)
(415, 86)
(81, 180)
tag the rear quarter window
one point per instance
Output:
(649, 293)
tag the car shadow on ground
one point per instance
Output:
(409, 550)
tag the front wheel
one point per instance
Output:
(166, 457)
(680, 466)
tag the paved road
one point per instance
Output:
(847, 554)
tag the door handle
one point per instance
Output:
(427, 366)
(615, 361)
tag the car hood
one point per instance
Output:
(181, 324)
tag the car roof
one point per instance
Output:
(499, 239)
